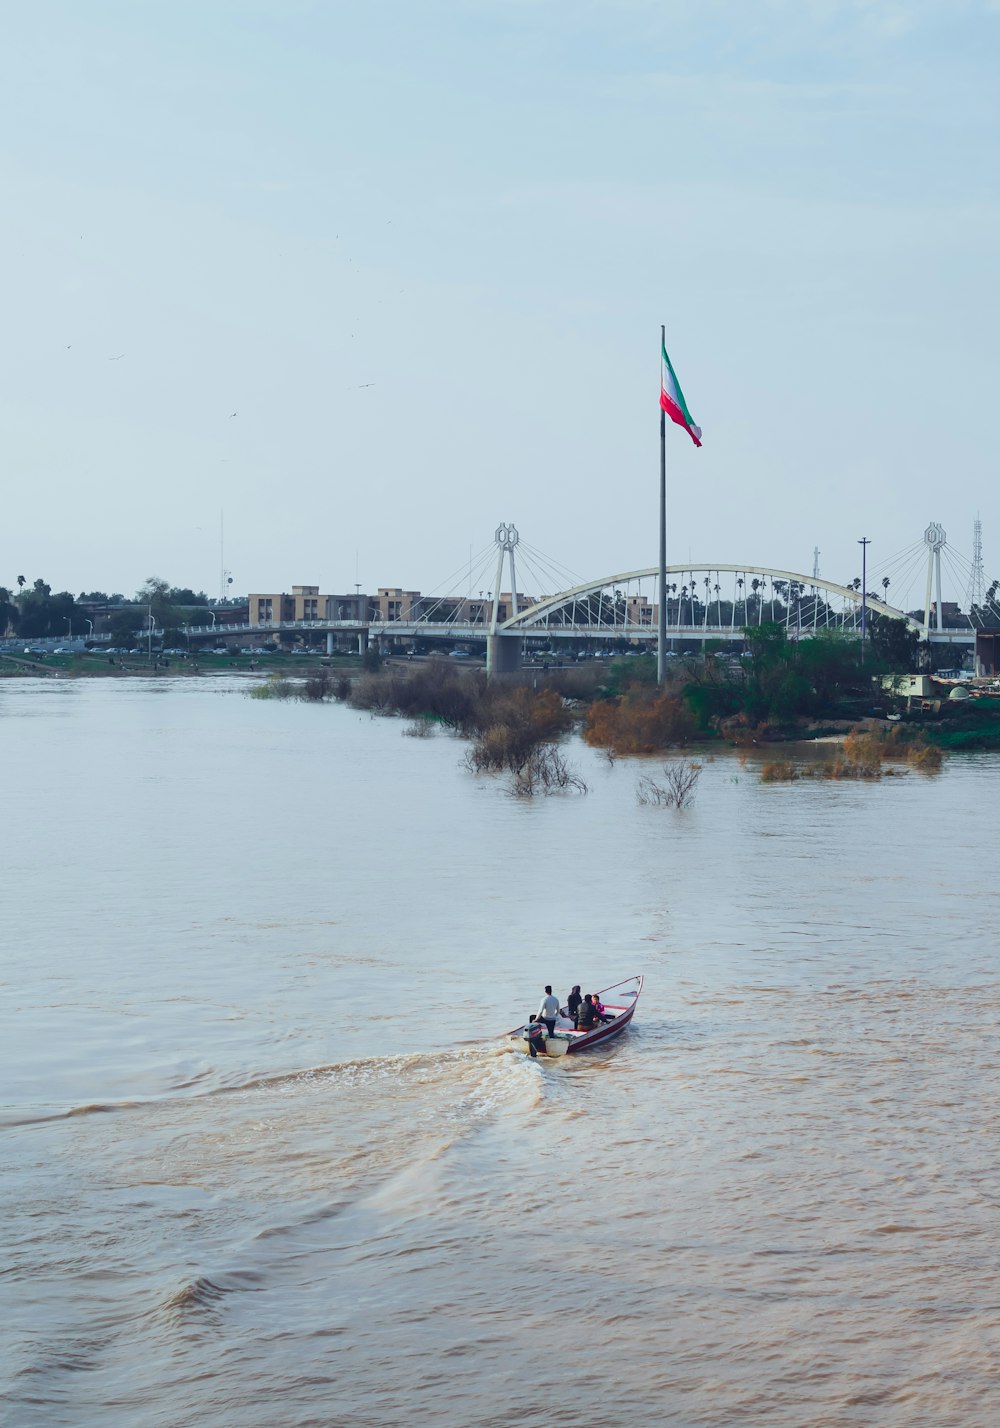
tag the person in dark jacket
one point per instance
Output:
(586, 1017)
(573, 1002)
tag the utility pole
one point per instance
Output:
(864, 543)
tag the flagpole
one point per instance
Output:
(661, 630)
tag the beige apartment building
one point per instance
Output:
(305, 603)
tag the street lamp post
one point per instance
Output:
(864, 543)
(90, 629)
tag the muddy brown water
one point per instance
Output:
(265, 1160)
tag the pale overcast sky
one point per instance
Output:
(422, 250)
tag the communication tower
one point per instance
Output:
(976, 593)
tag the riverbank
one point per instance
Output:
(102, 666)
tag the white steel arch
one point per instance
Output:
(535, 616)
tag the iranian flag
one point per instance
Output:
(672, 400)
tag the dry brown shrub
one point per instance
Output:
(779, 771)
(373, 692)
(543, 715)
(928, 758)
(640, 722)
(545, 771)
(843, 769)
(862, 753)
(680, 778)
(419, 729)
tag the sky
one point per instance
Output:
(372, 279)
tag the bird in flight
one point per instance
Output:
(232, 414)
(362, 385)
(118, 358)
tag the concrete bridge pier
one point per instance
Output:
(503, 654)
(329, 642)
(362, 642)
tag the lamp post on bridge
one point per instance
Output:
(864, 543)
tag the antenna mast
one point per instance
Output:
(976, 593)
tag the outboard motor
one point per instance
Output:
(536, 1034)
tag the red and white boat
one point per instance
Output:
(619, 1002)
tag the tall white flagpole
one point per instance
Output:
(661, 625)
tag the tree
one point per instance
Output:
(8, 612)
(893, 643)
(42, 614)
(155, 595)
(125, 626)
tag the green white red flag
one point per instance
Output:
(672, 400)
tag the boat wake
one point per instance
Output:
(471, 1066)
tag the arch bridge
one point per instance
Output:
(704, 602)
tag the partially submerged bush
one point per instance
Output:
(780, 771)
(928, 758)
(274, 688)
(545, 771)
(677, 788)
(642, 721)
(864, 754)
(318, 687)
(419, 729)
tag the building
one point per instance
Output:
(304, 605)
(988, 653)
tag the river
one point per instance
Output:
(266, 1162)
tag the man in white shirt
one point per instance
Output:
(548, 1010)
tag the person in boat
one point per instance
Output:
(586, 1016)
(602, 1015)
(535, 1036)
(548, 1010)
(573, 1002)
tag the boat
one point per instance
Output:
(620, 1000)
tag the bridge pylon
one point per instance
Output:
(503, 651)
